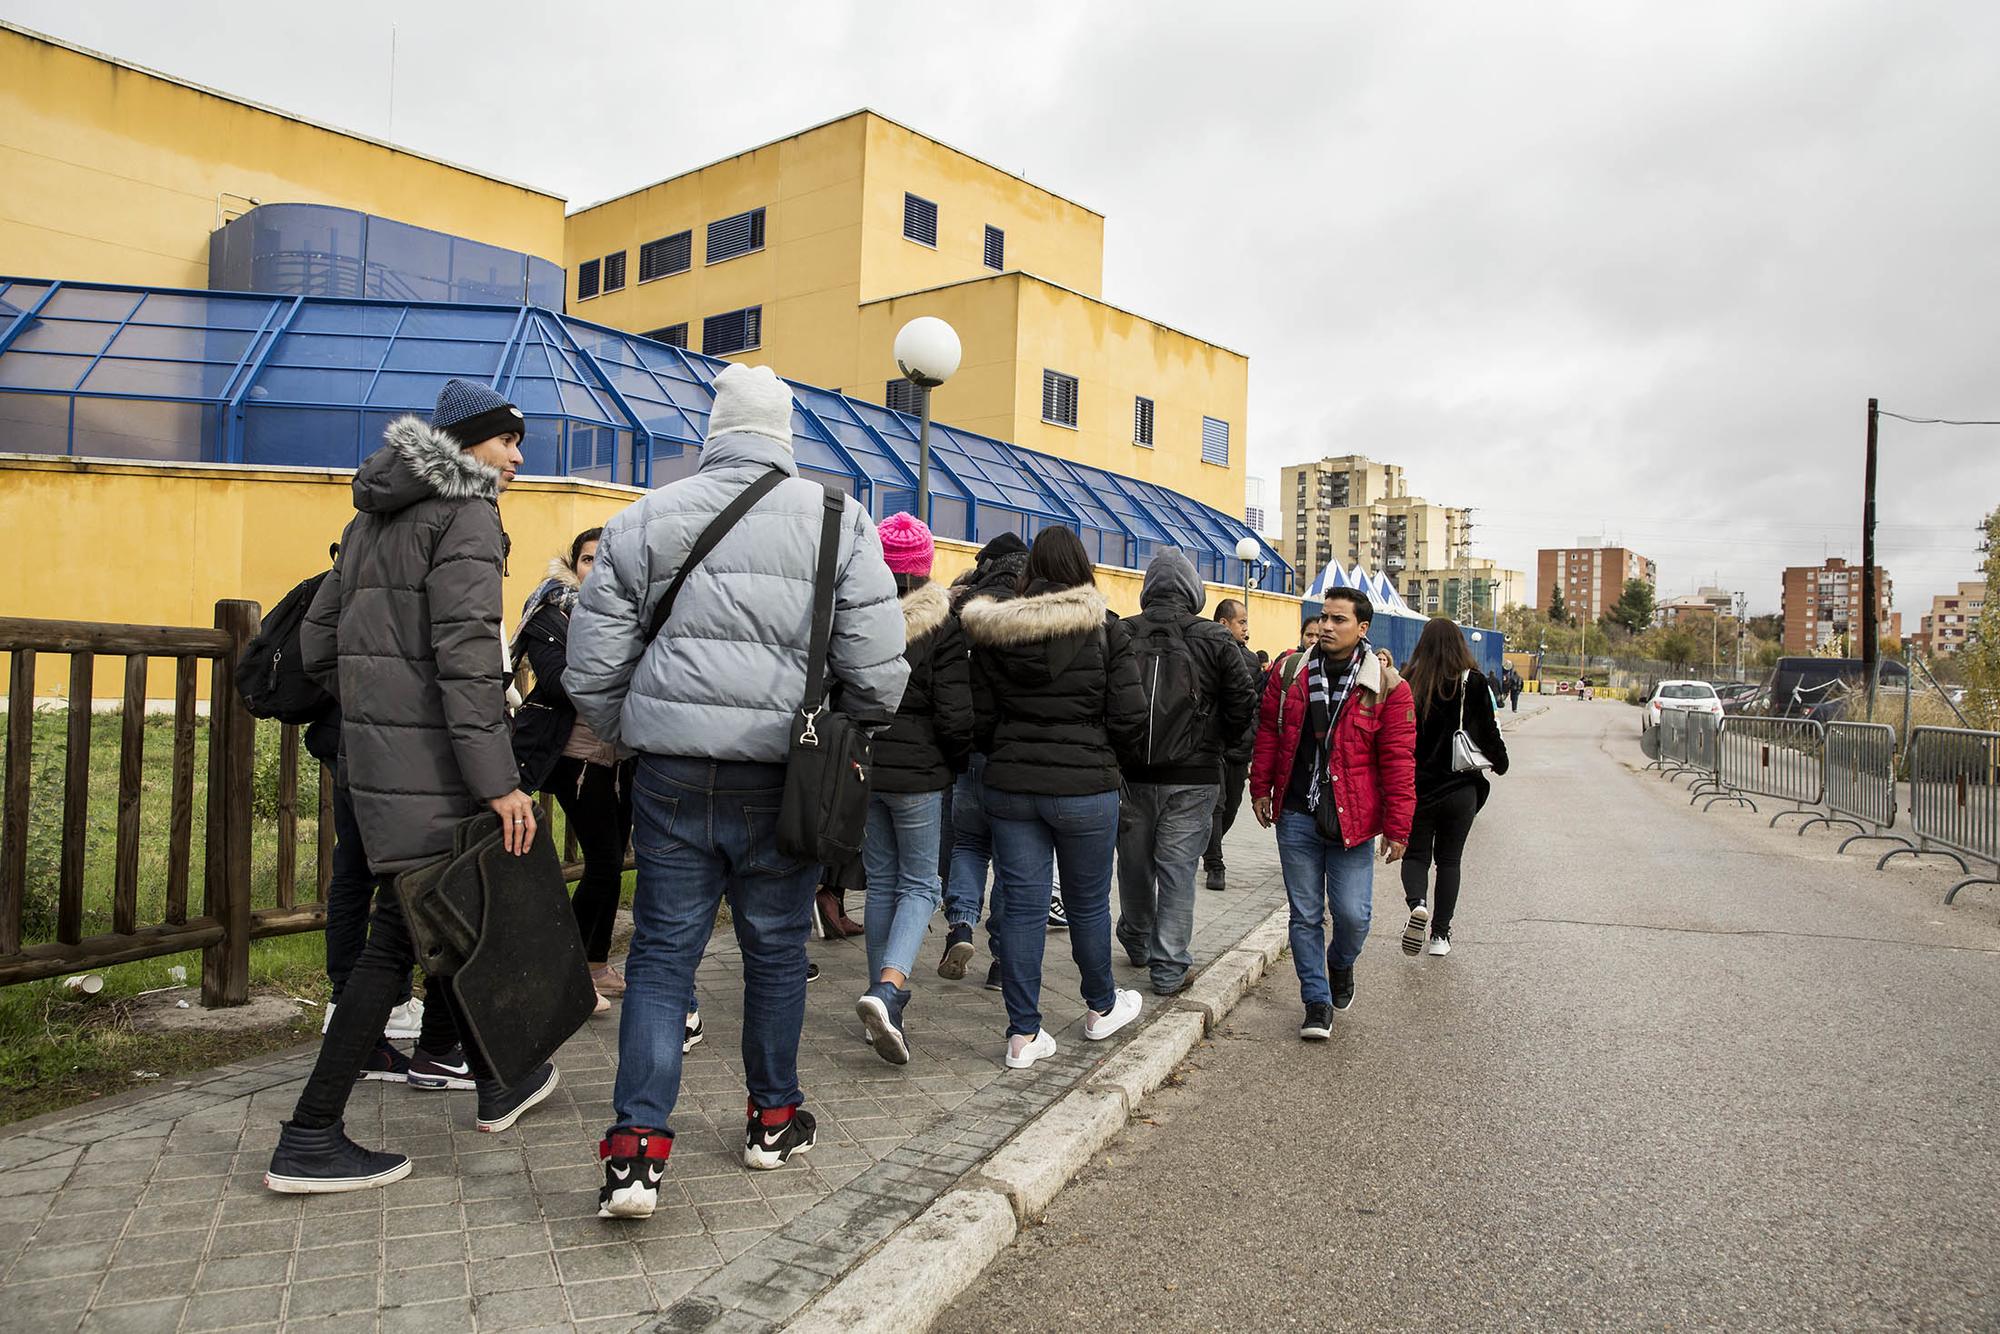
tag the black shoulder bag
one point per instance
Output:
(825, 809)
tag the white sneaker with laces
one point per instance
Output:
(1419, 926)
(406, 1020)
(1024, 1052)
(1440, 945)
(1124, 1010)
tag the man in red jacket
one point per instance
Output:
(1334, 767)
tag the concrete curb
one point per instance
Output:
(924, 1266)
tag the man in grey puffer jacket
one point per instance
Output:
(707, 707)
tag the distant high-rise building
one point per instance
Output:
(1822, 607)
(1352, 510)
(1591, 577)
(1948, 625)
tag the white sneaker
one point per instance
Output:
(1440, 945)
(691, 1032)
(1124, 1010)
(1022, 1054)
(1419, 927)
(405, 1021)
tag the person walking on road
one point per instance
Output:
(1056, 702)
(916, 760)
(1334, 768)
(707, 705)
(1234, 617)
(405, 633)
(1450, 697)
(1199, 701)
(996, 571)
(1513, 683)
(557, 751)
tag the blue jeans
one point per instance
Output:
(1318, 873)
(1032, 835)
(901, 857)
(971, 856)
(702, 829)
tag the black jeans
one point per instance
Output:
(596, 799)
(1227, 802)
(349, 891)
(378, 977)
(1438, 834)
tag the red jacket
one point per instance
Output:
(1374, 751)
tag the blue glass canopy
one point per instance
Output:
(227, 377)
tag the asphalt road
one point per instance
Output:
(1680, 1071)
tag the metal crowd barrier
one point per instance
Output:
(1777, 758)
(1955, 799)
(1672, 741)
(1704, 740)
(1860, 768)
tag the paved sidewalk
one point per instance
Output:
(151, 1215)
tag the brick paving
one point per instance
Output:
(151, 1215)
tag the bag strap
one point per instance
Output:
(1464, 685)
(717, 529)
(833, 508)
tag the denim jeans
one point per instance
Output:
(971, 847)
(1162, 829)
(901, 856)
(350, 894)
(1318, 873)
(1031, 836)
(703, 829)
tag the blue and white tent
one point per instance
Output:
(1397, 624)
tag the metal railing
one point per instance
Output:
(1777, 758)
(1704, 745)
(1671, 738)
(1955, 799)
(1860, 769)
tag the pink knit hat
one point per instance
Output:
(906, 544)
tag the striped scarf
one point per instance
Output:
(1325, 696)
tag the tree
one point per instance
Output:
(1634, 607)
(1677, 646)
(1978, 662)
(1558, 613)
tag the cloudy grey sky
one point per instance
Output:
(1593, 268)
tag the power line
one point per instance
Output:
(1932, 421)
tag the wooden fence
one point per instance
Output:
(226, 922)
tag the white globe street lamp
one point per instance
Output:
(927, 353)
(1247, 550)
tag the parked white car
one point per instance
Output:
(1699, 696)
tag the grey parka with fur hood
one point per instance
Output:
(406, 633)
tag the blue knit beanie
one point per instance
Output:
(470, 413)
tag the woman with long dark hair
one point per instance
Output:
(1450, 695)
(1056, 701)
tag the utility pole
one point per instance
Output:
(1868, 648)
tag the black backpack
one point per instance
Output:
(271, 678)
(1176, 704)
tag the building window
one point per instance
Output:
(733, 331)
(996, 248)
(735, 236)
(1215, 442)
(674, 335)
(668, 255)
(614, 272)
(920, 220)
(1142, 422)
(902, 396)
(1058, 398)
(586, 280)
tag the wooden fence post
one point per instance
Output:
(225, 966)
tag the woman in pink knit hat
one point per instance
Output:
(916, 760)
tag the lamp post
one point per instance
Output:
(1247, 550)
(927, 353)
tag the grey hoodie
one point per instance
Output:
(1172, 594)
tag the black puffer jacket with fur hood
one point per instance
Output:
(1055, 690)
(928, 744)
(405, 632)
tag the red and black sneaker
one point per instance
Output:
(634, 1162)
(775, 1134)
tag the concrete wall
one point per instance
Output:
(112, 173)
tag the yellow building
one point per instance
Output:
(809, 253)
(119, 174)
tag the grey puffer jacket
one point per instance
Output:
(729, 667)
(406, 634)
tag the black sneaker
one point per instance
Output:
(812, 972)
(1318, 1025)
(691, 1033)
(634, 1162)
(957, 953)
(326, 1162)
(769, 1146)
(993, 976)
(386, 1063)
(1216, 879)
(1058, 914)
(449, 1071)
(501, 1107)
(1343, 988)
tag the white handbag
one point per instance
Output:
(1466, 757)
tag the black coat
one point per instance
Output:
(1229, 696)
(930, 740)
(544, 721)
(1241, 749)
(1435, 727)
(1055, 691)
